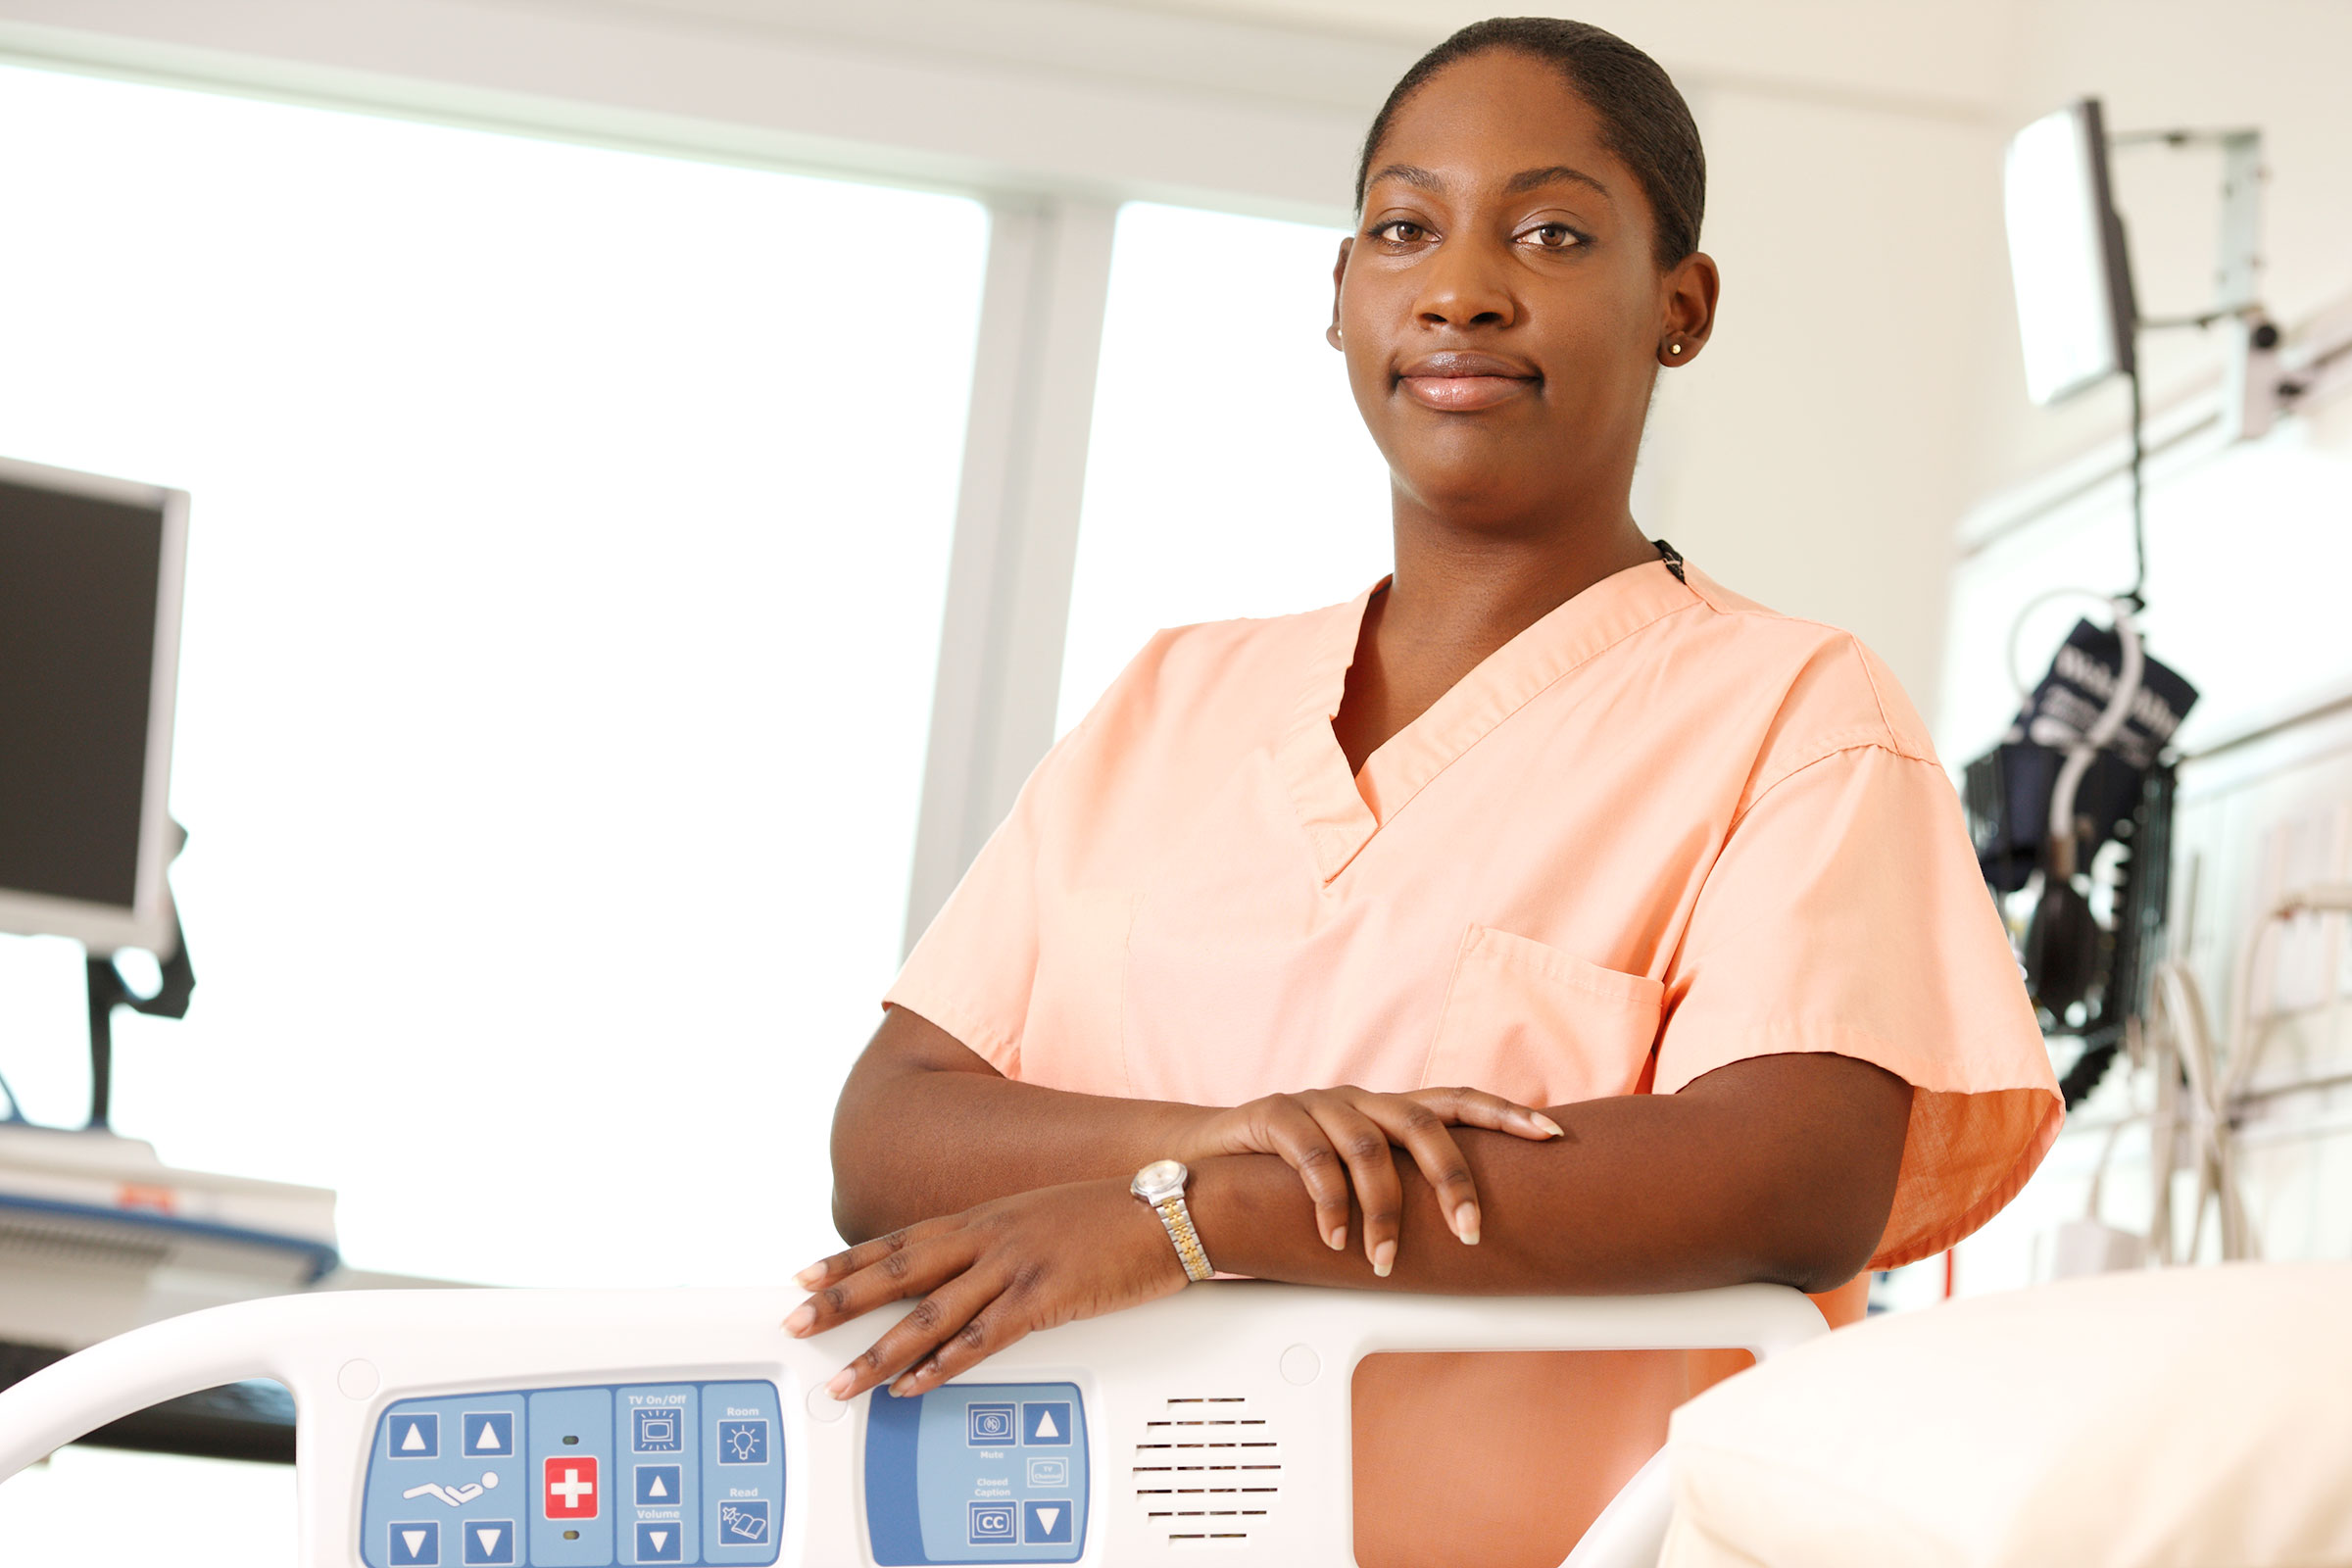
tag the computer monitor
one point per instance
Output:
(2074, 309)
(89, 655)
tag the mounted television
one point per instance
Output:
(2074, 309)
(89, 654)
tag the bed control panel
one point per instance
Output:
(687, 1473)
(977, 1473)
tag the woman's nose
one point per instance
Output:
(1464, 286)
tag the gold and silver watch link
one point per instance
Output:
(1161, 1185)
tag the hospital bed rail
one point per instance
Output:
(576, 1427)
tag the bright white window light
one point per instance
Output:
(566, 554)
(2074, 311)
(1209, 492)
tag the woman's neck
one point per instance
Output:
(1457, 596)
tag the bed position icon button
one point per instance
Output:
(415, 1544)
(486, 1543)
(414, 1435)
(487, 1434)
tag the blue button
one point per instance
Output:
(1046, 1426)
(665, 1541)
(743, 1442)
(988, 1426)
(661, 1429)
(415, 1544)
(1045, 1522)
(486, 1542)
(415, 1435)
(487, 1434)
(991, 1521)
(658, 1486)
(743, 1524)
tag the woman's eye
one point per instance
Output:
(1553, 237)
(1400, 231)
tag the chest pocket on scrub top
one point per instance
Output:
(1537, 1026)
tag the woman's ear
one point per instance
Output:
(1338, 276)
(1688, 293)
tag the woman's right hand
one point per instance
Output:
(1334, 1138)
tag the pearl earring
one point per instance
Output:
(1674, 348)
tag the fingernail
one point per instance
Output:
(810, 1275)
(903, 1387)
(1465, 1224)
(1384, 1259)
(803, 1319)
(1549, 1127)
(839, 1387)
(1337, 1237)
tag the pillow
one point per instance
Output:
(2196, 1416)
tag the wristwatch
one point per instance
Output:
(1161, 1185)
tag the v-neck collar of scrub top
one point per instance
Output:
(1342, 813)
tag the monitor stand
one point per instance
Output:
(108, 992)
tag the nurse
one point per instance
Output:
(1549, 918)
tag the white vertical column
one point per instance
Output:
(1016, 529)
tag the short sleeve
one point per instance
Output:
(1846, 914)
(972, 973)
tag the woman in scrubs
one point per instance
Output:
(1546, 919)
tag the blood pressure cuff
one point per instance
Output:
(2008, 789)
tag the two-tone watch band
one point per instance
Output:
(1160, 1184)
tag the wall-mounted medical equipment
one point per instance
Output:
(445, 1428)
(2072, 818)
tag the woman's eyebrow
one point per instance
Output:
(1528, 179)
(1518, 184)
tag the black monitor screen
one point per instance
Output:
(77, 600)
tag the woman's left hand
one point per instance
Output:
(989, 1277)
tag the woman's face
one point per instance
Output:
(1500, 305)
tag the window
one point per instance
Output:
(566, 552)
(1229, 473)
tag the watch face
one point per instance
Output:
(1161, 1179)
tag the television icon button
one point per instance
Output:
(1048, 1522)
(1049, 1472)
(487, 1544)
(1045, 1425)
(413, 1435)
(992, 1523)
(988, 1426)
(487, 1434)
(743, 1442)
(415, 1544)
(743, 1524)
(660, 1429)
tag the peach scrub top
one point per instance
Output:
(1661, 830)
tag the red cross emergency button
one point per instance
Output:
(570, 1488)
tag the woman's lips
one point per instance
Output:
(1457, 383)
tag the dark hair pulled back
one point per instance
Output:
(1642, 117)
